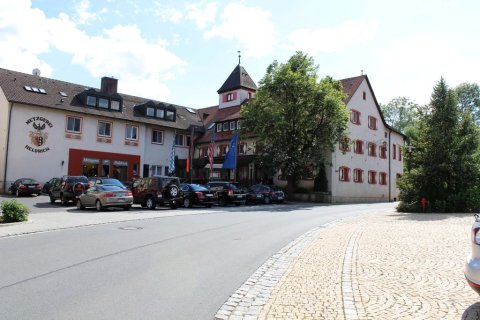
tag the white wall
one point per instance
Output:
(4, 113)
(242, 95)
(42, 166)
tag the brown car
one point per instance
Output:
(156, 191)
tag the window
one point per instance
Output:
(232, 125)
(364, 95)
(155, 170)
(383, 178)
(103, 103)
(203, 152)
(131, 132)
(160, 113)
(230, 97)
(104, 129)
(394, 156)
(239, 124)
(225, 126)
(382, 150)
(91, 101)
(358, 147)
(74, 124)
(344, 144)
(242, 148)
(189, 141)
(150, 111)
(372, 177)
(169, 115)
(399, 153)
(157, 137)
(355, 117)
(344, 173)
(372, 123)
(372, 149)
(223, 149)
(179, 140)
(358, 175)
(115, 105)
(219, 127)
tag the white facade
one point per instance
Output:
(234, 98)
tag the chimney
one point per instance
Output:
(109, 85)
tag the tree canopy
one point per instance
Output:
(400, 113)
(295, 117)
(443, 164)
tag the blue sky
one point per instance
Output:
(182, 52)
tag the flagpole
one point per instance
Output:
(236, 158)
(192, 149)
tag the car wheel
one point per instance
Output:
(266, 200)
(98, 205)
(52, 199)
(126, 208)
(187, 203)
(151, 204)
(173, 191)
(80, 206)
(63, 200)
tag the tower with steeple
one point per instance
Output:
(238, 88)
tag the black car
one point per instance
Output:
(196, 194)
(226, 193)
(68, 188)
(261, 193)
(49, 184)
(25, 186)
(154, 191)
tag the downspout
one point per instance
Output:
(390, 167)
(6, 149)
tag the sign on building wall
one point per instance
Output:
(39, 134)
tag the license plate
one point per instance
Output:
(208, 195)
(121, 199)
(239, 197)
(31, 187)
(280, 198)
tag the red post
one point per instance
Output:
(424, 202)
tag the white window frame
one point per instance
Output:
(107, 124)
(75, 119)
(131, 132)
(160, 133)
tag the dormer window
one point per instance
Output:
(103, 103)
(160, 113)
(150, 111)
(91, 101)
(219, 127)
(225, 126)
(229, 96)
(115, 105)
(170, 115)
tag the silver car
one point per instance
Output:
(472, 266)
(103, 196)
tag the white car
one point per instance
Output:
(472, 266)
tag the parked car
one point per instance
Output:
(261, 193)
(49, 184)
(68, 188)
(156, 191)
(196, 194)
(103, 196)
(472, 265)
(25, 186)
(110, 181)
(226, 193)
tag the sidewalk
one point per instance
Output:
(378, 266)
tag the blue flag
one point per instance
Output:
(171, 168)
(231, 157)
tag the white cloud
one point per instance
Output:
(333, 39)
(142, 66)
(251, 26)
(167, 14)
(83, 13)
(412, 67)
(201, 13)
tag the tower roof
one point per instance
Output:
(239, 78)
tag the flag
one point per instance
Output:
(171, 168)
(211, 151)
(231, 157)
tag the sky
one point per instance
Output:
(182, 52)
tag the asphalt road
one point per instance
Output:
(182, 267)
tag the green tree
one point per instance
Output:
(295, 118)
(469, 99)
(400, 113)
(443, 166)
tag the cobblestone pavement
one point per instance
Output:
(384, 265)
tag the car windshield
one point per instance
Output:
(112, 181)
(28, 181)
(196, 187)
(109, 188)
(78, 179)
(234, 187)
(166, 181)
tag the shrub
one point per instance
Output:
(14, 211)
